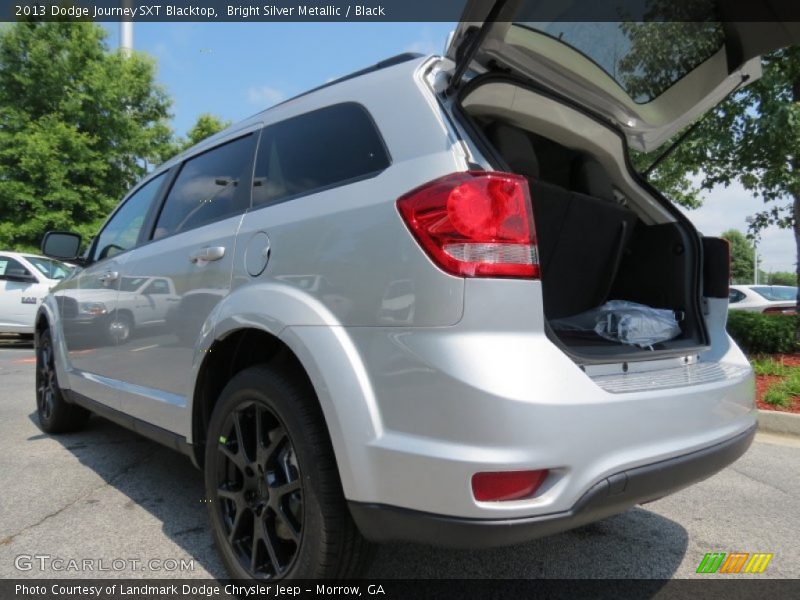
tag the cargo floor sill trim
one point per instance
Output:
(676, 377)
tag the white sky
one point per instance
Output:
(727, 208)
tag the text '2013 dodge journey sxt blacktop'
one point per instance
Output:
(348, 309)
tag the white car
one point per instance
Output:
(25, 279)
(768, 299)
(117, 310)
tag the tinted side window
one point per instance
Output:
(11, 266)
(210, 187)
(320, 149)
(122, 231)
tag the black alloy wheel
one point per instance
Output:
(56, 415)
(275, 500)
(259, 490)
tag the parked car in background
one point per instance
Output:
(25, 279)
(118, 308)
(767, 299)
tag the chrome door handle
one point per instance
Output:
(108, 277)
(208, 254)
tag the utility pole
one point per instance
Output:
(750, 220)
(126, 32)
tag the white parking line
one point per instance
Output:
(144, 348)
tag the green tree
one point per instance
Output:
(742, 256)
(751, 138)
(79, 125)
(779, 278)
(205, 126)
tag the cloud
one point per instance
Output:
(424, 47)
(427, 43)
(727, 208)
(264, 95)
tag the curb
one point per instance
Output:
(774, 421)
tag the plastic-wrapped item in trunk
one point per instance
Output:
(624, 322)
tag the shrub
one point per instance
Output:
(781, 393)
(757, 333)
(766, 365)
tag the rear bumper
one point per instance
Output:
(609, 496)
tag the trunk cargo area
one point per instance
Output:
(593, 247)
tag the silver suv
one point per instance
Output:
(352, 320)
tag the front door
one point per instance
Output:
(180, 276)
(88, 301)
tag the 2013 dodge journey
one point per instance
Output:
(346, 308)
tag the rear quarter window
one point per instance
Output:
(315, 151)
(735, 296)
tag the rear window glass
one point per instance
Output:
(317, 150)
(644, 58)
(775, 293)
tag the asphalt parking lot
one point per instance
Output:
(106, 493)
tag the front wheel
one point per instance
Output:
(56, 415)
(277, 509)
(119, 328)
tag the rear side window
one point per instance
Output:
(318, 150)
(210, 187)
(735, 296)
(12, 267)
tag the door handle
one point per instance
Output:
(207, 254)
(108, 277)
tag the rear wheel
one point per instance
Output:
(277, 509)
(56, 415)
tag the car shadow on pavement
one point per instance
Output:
(636, 544)
(152, 477)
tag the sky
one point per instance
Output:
(234, 70)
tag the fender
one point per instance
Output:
(326, 352)
(49, 310)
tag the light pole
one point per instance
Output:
(750, 221)
(126, 32)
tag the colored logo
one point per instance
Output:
(735, 562)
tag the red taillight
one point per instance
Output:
(506, 485)
(475, 224)
(776, 310)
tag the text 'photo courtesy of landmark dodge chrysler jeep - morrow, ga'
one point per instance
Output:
(369, 284)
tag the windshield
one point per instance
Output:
(52, 269)
(643, 58)
(776, 292)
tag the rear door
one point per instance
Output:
(191, 252)
(651, 75)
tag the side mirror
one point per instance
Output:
(61, 245)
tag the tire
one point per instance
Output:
(56, 415)
(119, 328)
(289, 499)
